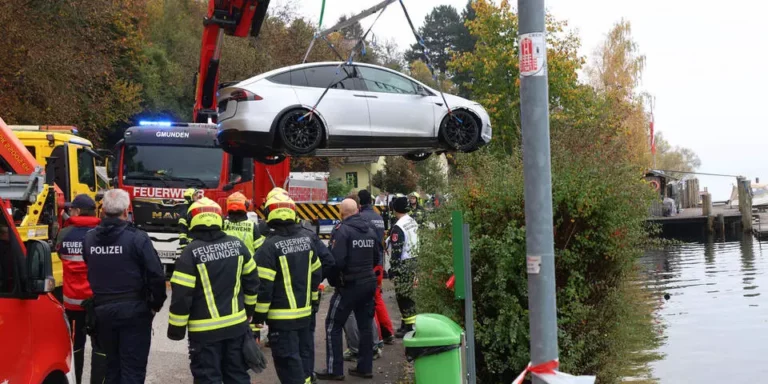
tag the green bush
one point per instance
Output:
(599, 213)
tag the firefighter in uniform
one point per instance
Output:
(214, 289)
(290, 271)
(416, 210)
(190, 196)
(355, 248)
(403, 241)
(69, 245)
(128, 285)
(238, 225)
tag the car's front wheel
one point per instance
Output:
(460, 130)
(300, 132)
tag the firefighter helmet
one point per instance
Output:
(237, 202)
(205, 213)
(280, 206)
(193, 194)
(276, 191)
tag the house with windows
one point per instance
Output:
(358, 172)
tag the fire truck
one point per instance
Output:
(156, 161)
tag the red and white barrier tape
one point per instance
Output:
(549, 373)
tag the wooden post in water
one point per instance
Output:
(720, 229)
(745, 203)
(706, 205)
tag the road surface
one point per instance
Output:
(169, 361)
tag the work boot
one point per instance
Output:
(389, 340)
(325, 375)
(356, 373)
(349, 355)
(402, 331)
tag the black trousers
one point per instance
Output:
(98, 358)
(294, 353)
(404, 278)
(360, 300)
(219, 361)
(124, 334)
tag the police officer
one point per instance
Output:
(128, 285)
(416, 211)
(403, 241)
(214, 288)
(377, 222)
(356, 249)
(69, 246)
(290, 271)
(190, 196)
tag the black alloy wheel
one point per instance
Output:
(417, 156)
(461, 131)
(300, 132)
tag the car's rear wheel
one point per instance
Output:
(269, 159)
(417, 156)
(460, 130)
(300, 132)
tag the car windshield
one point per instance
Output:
(172, 166)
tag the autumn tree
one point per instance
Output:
(442, 31)
(432, 174)
(674, 158)
(398, 176)
(71, 62)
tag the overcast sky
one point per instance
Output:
(706, 65)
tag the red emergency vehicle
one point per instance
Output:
(156, 161)
(35, 334)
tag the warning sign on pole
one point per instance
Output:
(533, 53)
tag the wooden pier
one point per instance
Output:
(693, 222)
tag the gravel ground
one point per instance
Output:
(169, 362)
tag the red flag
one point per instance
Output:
(653, 138)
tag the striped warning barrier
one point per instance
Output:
(312, 212)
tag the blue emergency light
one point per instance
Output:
(156, 123)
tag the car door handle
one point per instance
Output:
(367, 96)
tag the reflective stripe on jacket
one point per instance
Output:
(69, 245)
(214, 288)
(290, 272)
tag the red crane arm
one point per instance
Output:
(230, 17)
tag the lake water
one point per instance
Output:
(716, 318)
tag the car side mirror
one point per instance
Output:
(40, 267)
(421, 91)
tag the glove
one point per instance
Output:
(252, 354)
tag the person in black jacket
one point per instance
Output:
(214, 287)
(290, 270)
(356, 248)
(128, 285)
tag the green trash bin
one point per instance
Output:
(435, 346)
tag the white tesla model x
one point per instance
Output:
(365, 107)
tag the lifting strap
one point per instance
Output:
(360, 43)
(425, 53)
